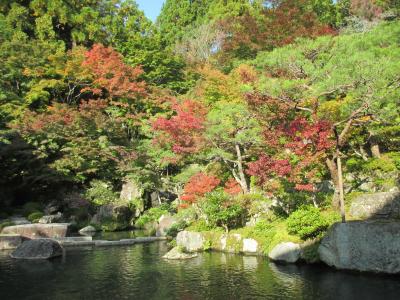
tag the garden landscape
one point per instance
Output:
(202, 149)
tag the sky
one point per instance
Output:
(151, 8)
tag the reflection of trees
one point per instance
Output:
(139, 272)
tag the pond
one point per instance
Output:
(139, 272)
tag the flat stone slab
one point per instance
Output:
(35, 231)
(10, 241)
(75, 242)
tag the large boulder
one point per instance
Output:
(38, 249)
(250, 246)
(372, 246)
(49, 219)
(190, 241)
(164, 223)
(10, 241)
(287, 252)
(176, 254)
(35, 231)
(118, 216)
(131, 191)
(378, 205)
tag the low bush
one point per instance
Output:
(35, 216)
(175, 228)
(5, 224)
(220, 210)
(31, 207)
(307, 222)
(153, 214)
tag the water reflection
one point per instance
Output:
(139, 272)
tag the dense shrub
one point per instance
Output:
(307, 222)
(220, 210)
(35, 216)
(175, 228)
(100, 193)
(31, 207)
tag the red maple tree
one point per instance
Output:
(184, 130)
(111, 76)
(197, 186)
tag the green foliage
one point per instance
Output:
(5, 224)
(219, 211)
(35, 216)
(200, 226)
(387, 163)
(176, 228)
(307, 222)
(151, 215)
(100, 193)
(30, 207)
(113, 225)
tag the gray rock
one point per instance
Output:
(250, 246)
(52, 208)
(10, 241)
(87, 230)
(378, 205)
(176, 254)
(19, 220)
(190, 241)
(371, 246)
(131, 191)
(57, 218)
(285, 252)
(164, 223)
(34, 231)
(38, 249)
(118, 213)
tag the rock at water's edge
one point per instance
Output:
(38, 249)
(371, 246)
(250, 246)
(176, 254)
(34, 231)
(164, 223)
(190, 241)
(285, 252)
(87, 230)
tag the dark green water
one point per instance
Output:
(139, 272)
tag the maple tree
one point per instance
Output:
(112, 75)
(184, 130)
(197, 186)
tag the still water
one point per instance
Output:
(139, 272)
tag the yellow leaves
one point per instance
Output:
(216, 86)
(332, 109)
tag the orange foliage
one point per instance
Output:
(199, 185)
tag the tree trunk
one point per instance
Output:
(373, 141)
(242, 177)
(375, 150)
(330, 162)
(341, 190)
